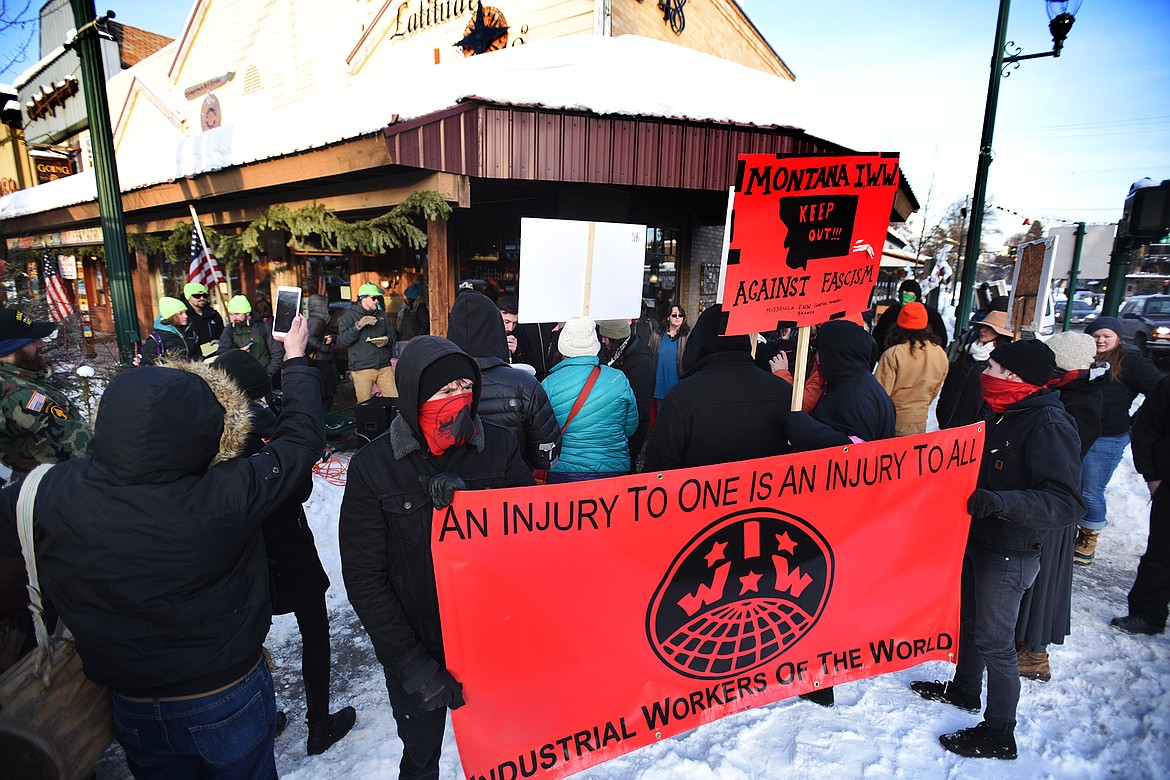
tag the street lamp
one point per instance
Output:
(1061, 15)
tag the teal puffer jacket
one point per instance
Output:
(596, 441)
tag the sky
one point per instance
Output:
(1071, 133)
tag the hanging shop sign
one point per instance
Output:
(51, 170)
(207, 86)
(806, 238)
(636, 608)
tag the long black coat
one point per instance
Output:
(637, 364)
(296, 577)
(960, 401)
(723, 409)
(153, 556)
(511, 397)
(386, 515)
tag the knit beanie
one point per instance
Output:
(190, 288)
(442, 372)
(1105, 323)
(579, 338)
(1030, 360)
(413, 291)
(246, 371)
(169, 307)
(368, 290)
(614, 329)
(1073, 350)
(239, 305)
(912, 316)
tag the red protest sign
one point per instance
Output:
(807, 237)
(586, 620)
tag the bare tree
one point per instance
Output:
(18, 22)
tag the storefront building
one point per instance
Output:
(583, 109)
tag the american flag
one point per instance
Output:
(60, 307)
(203, 268)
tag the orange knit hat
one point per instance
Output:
(913, 316)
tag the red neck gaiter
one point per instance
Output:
(1002, 393)
(446, 422)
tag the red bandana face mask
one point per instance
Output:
(1001, 393)
(446, 422)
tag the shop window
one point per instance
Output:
(660, 273)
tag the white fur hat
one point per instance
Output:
(1073, 350)
(579, 338)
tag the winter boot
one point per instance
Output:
(1086, 546)
(980, 742)
(324, 733)
(1033, 666)
(941, 691)
(1132, 624)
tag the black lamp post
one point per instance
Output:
(1061, 15)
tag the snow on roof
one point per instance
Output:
(626, 75)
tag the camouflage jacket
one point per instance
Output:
(39, 423)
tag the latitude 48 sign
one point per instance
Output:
(589, 619)
(806, 238)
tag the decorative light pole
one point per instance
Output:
(1061, 15)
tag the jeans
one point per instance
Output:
(1096, 470)
(994, 580)
(226, 735)
(421, 733)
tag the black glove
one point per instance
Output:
(440, 691)
(442, 487)
(984, 503)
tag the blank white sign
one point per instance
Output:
(570, 268)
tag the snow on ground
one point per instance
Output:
(1106, 712)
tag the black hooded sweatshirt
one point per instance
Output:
(723, 409)
(854, 402)
(385, 527)
(511, 397)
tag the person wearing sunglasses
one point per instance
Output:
(203, 321)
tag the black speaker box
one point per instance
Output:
(374, 416)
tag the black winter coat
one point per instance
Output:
(1081, 398)
(386, 515)
(1138, 375)
(636, 362)
(723, 409)
(364, 354)
(511, 398)
(164, 341)
(1031, 461)
(152, 554)
(854, 402)
(206, 327)
(1150, 434)
(296, 577)
(960, 401)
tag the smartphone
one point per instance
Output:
(288, 306)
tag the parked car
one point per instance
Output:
(1082, 312)
(1146, 319)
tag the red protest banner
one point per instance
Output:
(807, 237)
(587, 620)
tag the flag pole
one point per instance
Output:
(206, 251)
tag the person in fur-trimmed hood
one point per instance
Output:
(436, 445)
(151, 551)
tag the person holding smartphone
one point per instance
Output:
(249, 333)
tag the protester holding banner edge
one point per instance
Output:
(1029, 482)
(436, 445)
